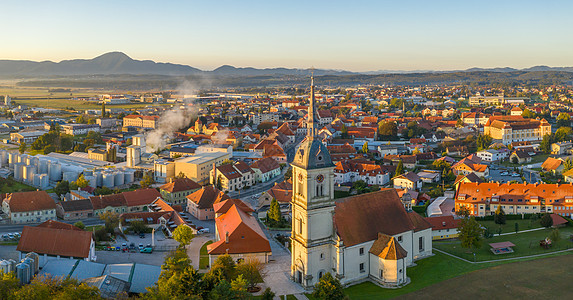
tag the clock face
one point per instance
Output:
(320, 178)
(300, 177)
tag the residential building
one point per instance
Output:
(107, 123)
(516, 111)
(482, 199)
(561, 148)
(492, 154)
(266, 169)
(509, 129)
(554, 165)
(177, 189)
(29, 207)
(445, 227)
(27, 137)
(520, 156)
(163, 170)
(409, 180)
(348, 171)
(238, 234)
(471, 165)
(199, 166)
(79, 129)
(139, 200)
(200, 203)
(430, 176)
(282, 192)
(74, 210)
(112, 203)
(233, 177)
(140, 121)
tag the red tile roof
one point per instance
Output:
(58, 225)
(360, 218)
(113, 200)
(265, 165)
(444, 222)
(52, 241)
(180, 185)
(207, 196)
(141, 197)
(29, 201)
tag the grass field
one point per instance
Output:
(548, 278)
(9, 185)
(510, 225)
(526, 243)
(204, 256)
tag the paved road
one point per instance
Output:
(7, 228)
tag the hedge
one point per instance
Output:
(421, 209)
(509, 217)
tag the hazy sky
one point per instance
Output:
(351, 35)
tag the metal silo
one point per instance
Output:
(23, 273)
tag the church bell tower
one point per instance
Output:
(313, 205)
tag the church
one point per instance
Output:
(364, 237)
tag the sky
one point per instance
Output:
(349, 35)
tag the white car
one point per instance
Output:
(203, 230)
(504, 173)
(515, 175)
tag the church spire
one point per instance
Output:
(311, 124)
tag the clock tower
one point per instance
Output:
(312, 235)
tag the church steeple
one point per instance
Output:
(311, 122)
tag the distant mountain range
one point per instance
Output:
(116, 63)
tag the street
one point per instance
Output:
(7, 228)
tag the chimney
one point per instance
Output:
(227, 237)
(444, 224)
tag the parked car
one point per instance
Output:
(515, 175)
(146, 250)
(203, 230)
(504, 173)
(142, 235)
(140, 246)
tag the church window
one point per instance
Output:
(320, 274)
(400, 238)
(361, 251)
(362, 268)
(381, 273)
(300, 226)
(321, 256)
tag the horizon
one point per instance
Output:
(362, 36)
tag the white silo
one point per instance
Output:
(18, 171)
(36, 182)
(4, 156)
(12, 265)
(28, 173)
(119, 178)
(36, 259)
(108, 179)
(30, 262)
(5, 266)
(12, 159)
(99, 178)
(55, 170)
(44, 180)
(92, 181)
(129, 176)
(70, 176)
(23, 273)
(43, 166)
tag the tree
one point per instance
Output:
(181, 175)
(365, 147)
(343, 131)
(555, 236)
(546, 221)
(62, 188)
(516, 227)
(528, 114)
(288, 174)
(514, 159)
(387, 129)
(147, 181)
(23, 147)
(546, 142)
(183, 234)
(251, 270)
(470, 233)
(138, 226)
(227, 162)
(80, 225)
(328, 288)
(399, 168)
(268, 294)
(82, 182)
(483, 141)
(103, 110)
(111, 220)
(563, 119)
(563, 134)
(225, 268)
(274, 215)
(219, 184)
(499, 217)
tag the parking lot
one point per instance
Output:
(504, 175)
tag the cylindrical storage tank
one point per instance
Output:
(44, 181)
(88, 173)
(5, 266)
(91, 180)
(108, 180)
(30, 262)
(23, 273)
(36, 259)
(43, 166)
(4, 156)
(70, 176)
(12, 265)
(28, 173)
(99, 178)
(129, 177)
(119, 178)
(55, 170)
(18, 171)
(36, 182)
(12, 158)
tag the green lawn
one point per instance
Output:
(93, 228)
(526, 243)
(9, 185)
(509, 226)
(535, 159)
(204, 256)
